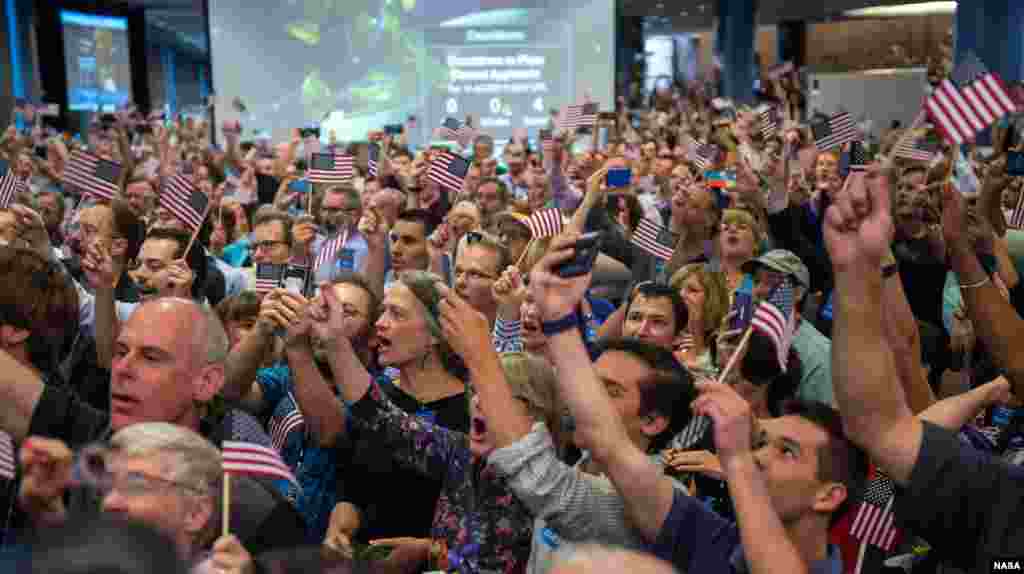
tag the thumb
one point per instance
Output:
(227, 544)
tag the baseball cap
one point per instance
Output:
(782, 261)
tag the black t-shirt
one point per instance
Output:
(261, 517)
(396, 500)
(965, 503)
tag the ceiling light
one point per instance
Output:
(684, 13)
(661, 5)
(916, 9)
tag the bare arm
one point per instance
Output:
(956, 411)
(875, 414)
(321, 409)
(242, 365)
(904, 340)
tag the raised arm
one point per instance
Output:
(647, 492)
(956, 411)
(904, 340)
(858, 229)
(375, 265)
(995, 321)
(248, 355)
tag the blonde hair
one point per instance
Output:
(716, 293)
(531, 378)
(744, 216)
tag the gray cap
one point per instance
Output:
(782, 261)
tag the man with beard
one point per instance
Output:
(339, 214)
(305, 418)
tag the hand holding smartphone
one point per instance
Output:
(582, 261)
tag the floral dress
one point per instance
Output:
(479, 526)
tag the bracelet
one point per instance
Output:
(976, 285)
(570, 321)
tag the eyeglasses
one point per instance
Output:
(266, 245)
(134, 484)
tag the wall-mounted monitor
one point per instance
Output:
(99, 74)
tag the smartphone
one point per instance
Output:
(618, 177)
(393, 129)
(1015, 163)
(582, 261)
(295, 279)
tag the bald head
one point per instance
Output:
(191, 320)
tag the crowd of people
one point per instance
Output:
(450, 398)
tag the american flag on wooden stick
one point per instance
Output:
(247, 458)
(545, 223)
(874, 521)
(331, 168)
(774, 318)
(329, 250)
(653, 239)
(777, 71)
(93, 175)
(448, 170)
(769, 116)
(268, 277)
(280, 427)
(834, 131)
(913, 149)
(10, 184)
(181, 197)
(975, 101)
(578, 115)
(1016, 219)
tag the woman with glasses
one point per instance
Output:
(739, 240)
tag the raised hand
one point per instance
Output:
(699, 461)
(176, 280)
(31, 229)
(557, 296)
(858, 225)
(303, 234)
(466, 329)
(98, 265)
(732, 419)
(230, 557)
(371, 229)
(509, 290)
(46, 474)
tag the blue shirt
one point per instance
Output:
(695, 539)
(315, 467)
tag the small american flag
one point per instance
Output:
(328, 251)
(372, 157)
(578, 115)
(7, 458)
(914, 150)
(252, 459)
(775, 319)
(874, 523)
(547, 142)
(92, 175)
(280, 427)
(769, 121)
(546, 223)
(268, 277)
(10, 185)
(455, 131)
(1016, 219)
(330, 168)
(184, 201)
(448, 170)
(777, 71)
(701, 154)
(978, 98)
(834, 131)
(653, 239)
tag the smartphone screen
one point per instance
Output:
(743, 304)
(294, 279)
(619, 177)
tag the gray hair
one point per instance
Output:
(188, 458)
(216, 343)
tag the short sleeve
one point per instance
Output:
(959, 498)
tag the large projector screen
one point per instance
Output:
(357, 65)
(99, 73)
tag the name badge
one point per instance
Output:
(550, 539)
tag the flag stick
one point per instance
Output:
(226, 506)
(206, 211)
(530, 244)
(735, 355)
(309, 200)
